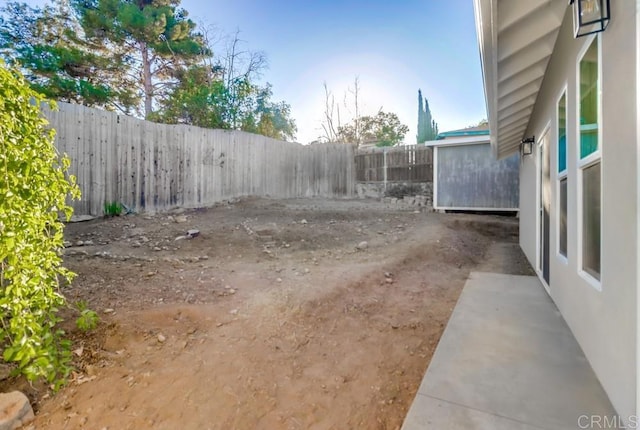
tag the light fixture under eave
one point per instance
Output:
(590, 16)
(526, 145)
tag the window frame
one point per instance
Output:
(588, 161)
(562, 174)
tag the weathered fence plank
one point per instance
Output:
(153, 167)
(410, 163)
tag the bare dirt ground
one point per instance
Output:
(277, 316)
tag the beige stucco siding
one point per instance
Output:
(604, 322)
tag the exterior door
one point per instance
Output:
(545, 207)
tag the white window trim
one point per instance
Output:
(588, 161)
(563, 174)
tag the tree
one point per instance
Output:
(33, 192)
(47, 46)
(383, 129)
(427, 127)
(221, 92)
(154, 37)
(331, 123)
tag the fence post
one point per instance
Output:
(384, 171)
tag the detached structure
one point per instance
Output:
(466, 175)
(571, 106)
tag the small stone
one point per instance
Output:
(234, 312)
(5, 372)
(162, 338)
(157, 248)
(278, 279)
(306, 270)
(88, 242)
(362, 245)
(15, 410)
(389, 281)
(180, 219)
(108, 311)
(232, 291)
(388, 275)
(193, 233)
(181, 238)
(304, 221)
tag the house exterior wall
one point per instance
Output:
(603, 318)
(469, 177)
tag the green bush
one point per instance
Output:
(112, 209)
(33, 190)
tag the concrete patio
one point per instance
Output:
(507, 360)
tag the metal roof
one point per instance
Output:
(516, 39)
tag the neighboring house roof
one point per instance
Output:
(461, 140)
(480, 130)
(515, 43)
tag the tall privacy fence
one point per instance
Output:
(395, 172)
(151, 167)
(410, 163)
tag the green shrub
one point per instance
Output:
(112, 209)
(33, 190)
(88, 319)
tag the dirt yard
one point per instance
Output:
(296, 314)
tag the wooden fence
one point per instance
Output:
(411, 163)
(151, 167)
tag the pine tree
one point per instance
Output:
(155, 38)
(48, 47)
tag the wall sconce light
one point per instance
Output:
(526, 145)
(589, 16)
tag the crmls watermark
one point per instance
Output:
(596, 422)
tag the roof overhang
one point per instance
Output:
(516, 39)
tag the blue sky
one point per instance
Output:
(394, 47)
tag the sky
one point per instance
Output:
(393, 47)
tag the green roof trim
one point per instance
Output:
(462, 133)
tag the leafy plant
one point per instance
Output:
(34, 187)
(88, 319)
(112, 209)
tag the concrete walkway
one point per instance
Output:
(507, 360)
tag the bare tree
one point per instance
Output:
(355, 91)
(330, 126)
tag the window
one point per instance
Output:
(589, 101)
(562, 246)
(562, 174)
(562, 133)
(591, 220)
(589, 164)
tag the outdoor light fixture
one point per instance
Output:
(526, 145)
(589, 16)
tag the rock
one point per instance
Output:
(5, 372)
(180, 219)
(193, 233)
(279, 280)
(304, 221)
(108, 311)
(362, 245)
(162, 338)
(389, 281)
(15, 410)
(388, 275)
(181, 238)
(81, 218)
(234, 312)
(157, 248)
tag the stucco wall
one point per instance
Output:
(604, 322)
